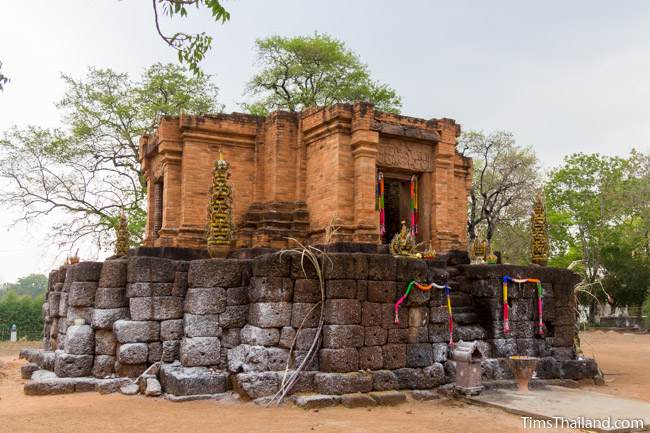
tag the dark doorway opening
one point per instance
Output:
(397, 204)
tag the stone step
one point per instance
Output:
(388, 398)
(48, 384)
(424, 394)
(354, 400)
(316, 401)
(218, 397)
(182, 381)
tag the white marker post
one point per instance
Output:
(14, 334)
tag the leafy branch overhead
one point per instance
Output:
(317, 70)
(191, 48)
(87, 172)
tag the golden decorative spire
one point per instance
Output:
(122, 238)
(220, 229)
(478, 249)
(539, 233)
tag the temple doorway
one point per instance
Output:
(397, 203)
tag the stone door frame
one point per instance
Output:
(424, 200)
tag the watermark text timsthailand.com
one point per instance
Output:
(583, 423)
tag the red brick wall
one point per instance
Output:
(324, 156)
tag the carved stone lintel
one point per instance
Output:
(409, 156)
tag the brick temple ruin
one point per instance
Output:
(293, 173)
(204, 328)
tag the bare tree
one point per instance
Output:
(45, 180)
(88, 172)
(505, 178)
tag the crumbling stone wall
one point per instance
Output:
(556, 348)
(220, 324)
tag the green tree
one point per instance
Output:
(626, 249)
(31, 285)
(319, 70)
(88, 171)
(599, 210)
(582, 206)
(24, 312)
(504, 182)
(627, 268)
(191, 48)
(636, 198)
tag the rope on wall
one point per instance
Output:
(414, 206)
(379, 203)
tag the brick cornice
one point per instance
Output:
(364, 143)
(326, 129)
(323, 122)
(222, 138)
(367, 151)
(169, 158)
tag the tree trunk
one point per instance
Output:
(489, 235)
(471, 236)
(592, 312)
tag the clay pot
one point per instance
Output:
(523, 368)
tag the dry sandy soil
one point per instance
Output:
(625, 360)
(623, 357)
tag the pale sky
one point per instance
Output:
(563, 76)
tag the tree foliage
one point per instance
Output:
(88, 170)
(636, 198)
(627, 270)
(580, 195)
(504, 182)
(21, 303)
(191, 48)
(318, 70)
(599, 215)
(31, 285)
(22, 311)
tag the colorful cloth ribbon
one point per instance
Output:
(426, 288)
(379, 203)
(414, 206)
(540, 295)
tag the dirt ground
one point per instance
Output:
(623, 357)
